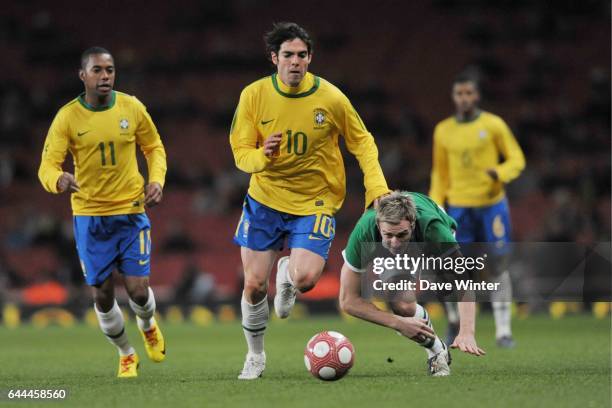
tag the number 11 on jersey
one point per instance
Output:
(111, 146)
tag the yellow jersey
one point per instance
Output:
(102, 142)
(308, 176)
(463, 151)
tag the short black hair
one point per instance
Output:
(285, 31)
(93, 51)
(464, 77)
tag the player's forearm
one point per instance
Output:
(373, 178)
(358, 307)
(157, 165)
(53, 156)
(437, 190)
(511, 168)
(250, 160)
(467, 317)
(439, 177)
(514, 164)
(361, 145)
(49, 175)
(374, 193)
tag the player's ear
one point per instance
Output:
(82, 75)
(274, 58)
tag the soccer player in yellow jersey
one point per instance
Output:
(101, 129)
(285, 133)
(469, 177)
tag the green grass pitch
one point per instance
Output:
(560, 363)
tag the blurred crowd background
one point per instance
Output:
(544, 67)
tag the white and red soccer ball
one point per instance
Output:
(329, 355)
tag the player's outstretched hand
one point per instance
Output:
(413, 327)
(271, 145)
(67, 182)
(468, 345)
(153, 194)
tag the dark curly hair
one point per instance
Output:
(282, 32)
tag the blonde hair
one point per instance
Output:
(395, 208)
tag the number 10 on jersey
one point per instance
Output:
(297, 142)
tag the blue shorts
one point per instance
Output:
(483, 224)
(262, 228)
(115, 241)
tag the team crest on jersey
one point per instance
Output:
(319, 118)
(124, 124)
(482, 134)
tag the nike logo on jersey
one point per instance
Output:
(146, 261)
(313, 237)
(265, 122)
(79, 134)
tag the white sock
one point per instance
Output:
(113, 327)
(501, 304)
(432, 346)
(144, 314)
(452, 312)
(254, 320)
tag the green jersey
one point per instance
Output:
(433, 225)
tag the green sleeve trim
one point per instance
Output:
(312, 90)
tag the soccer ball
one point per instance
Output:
(329, 355)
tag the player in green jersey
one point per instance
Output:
(402, 218)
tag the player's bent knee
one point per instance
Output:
(139, 292)
(306, 281)
(104, 296)
(255, 288)
(104, 302)
(140, 297)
